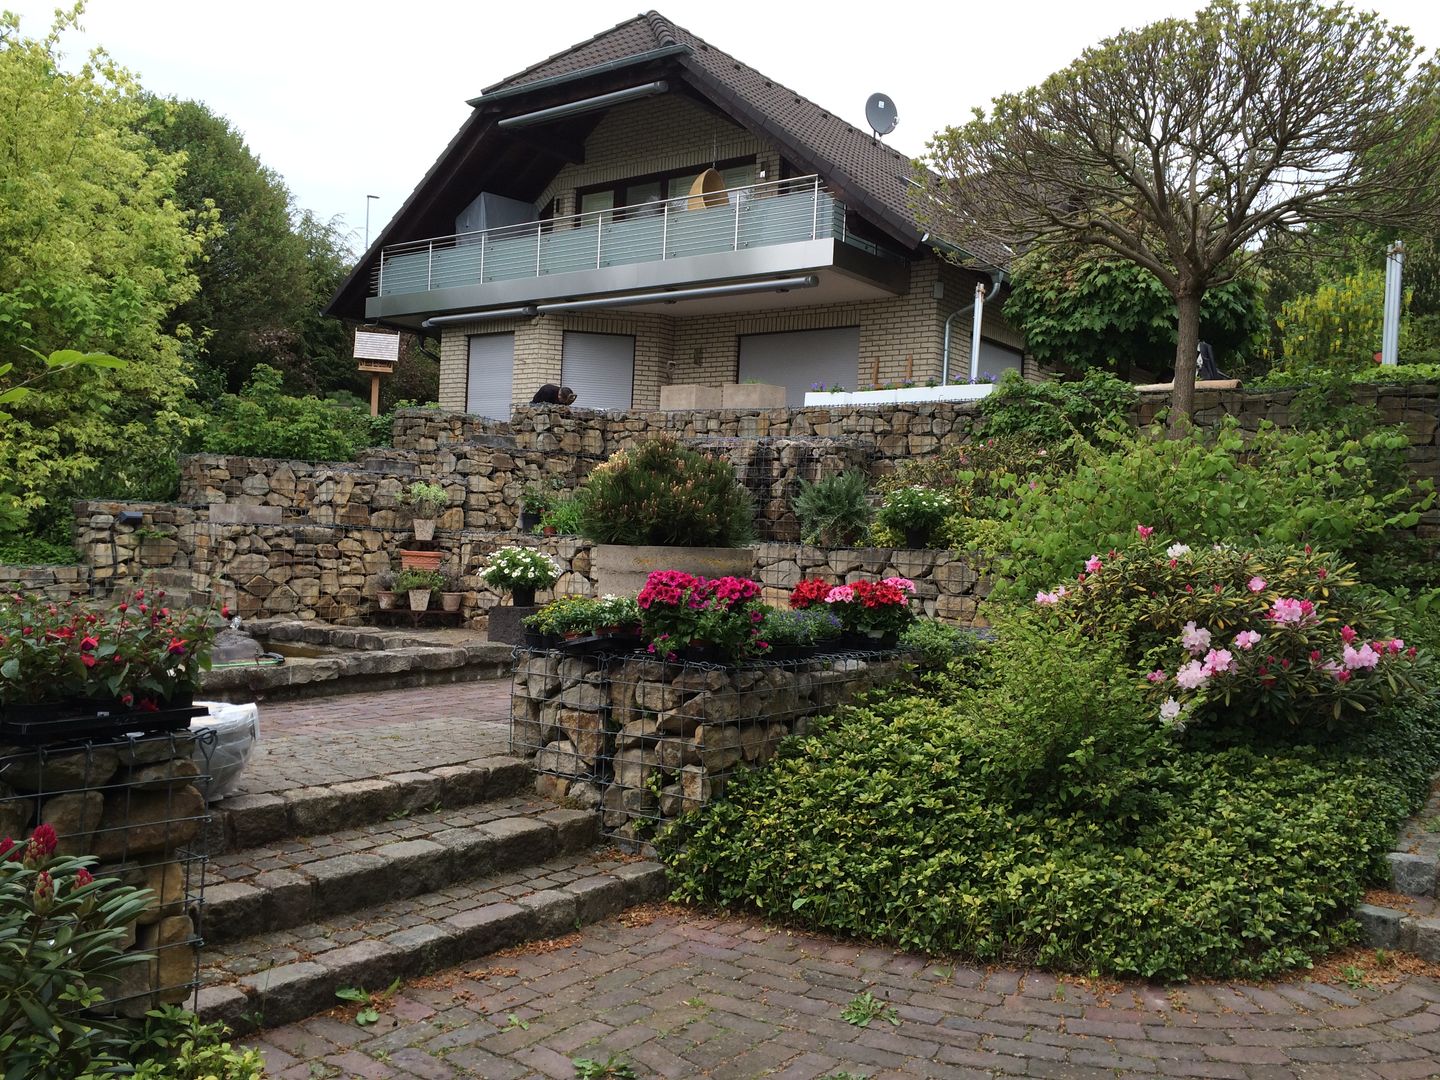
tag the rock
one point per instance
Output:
(543, 676)
(551, 787)
(74, 817)
(562, 759)
(658, 696)
(584, 794)
(672, 801)
(685, 719)
(586, 730)
(146, 821)
(674, 753)
(642, 730)
(583, 695)
(38, 771)
(633, 767)
(144, 751)
(15, 813)
(696, 679)
(167, 882)
(719, 746)
(620, 804)
(695, 785)
(161, 774)
(574, 669)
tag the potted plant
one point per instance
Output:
(798, 635)
(385, 590)
(562, 517)
(873, 612)
(520, 571)
(562, 622)
(914, 512)
(74, 669)
(713, 620)
(419, 584)
(534, 501)
(427, 502)
(662, 506)
(834, 511)
(452, 595)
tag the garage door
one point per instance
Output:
(801, 358)
(492, 365)
(600, 368)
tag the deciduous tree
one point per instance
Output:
(1185, 145)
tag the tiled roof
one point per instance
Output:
(844, 154)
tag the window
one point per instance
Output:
(642, 191)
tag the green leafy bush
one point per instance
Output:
(21, 550)
(1337, 326)
(1051, 412)
(1343, 494)
(938, 644)
(914, 514)
(666, 494)
(1038, 820)
(1358, 375)
(177, 1045)
(563, 515)
(834, 511)
(263, 421)
(569, 615)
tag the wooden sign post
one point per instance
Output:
(378, 353)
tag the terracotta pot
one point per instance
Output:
(424, 528)
(450, 601)
(385, 599)
(419, 599)
(420, 560)
(549, 530)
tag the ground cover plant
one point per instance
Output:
(1208, 704)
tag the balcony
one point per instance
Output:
(762, 229)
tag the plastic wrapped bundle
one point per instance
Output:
(237, 729)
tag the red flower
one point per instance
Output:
(1322, 573)
(225, 611)
(139, 594)
(42, 844)
(8, 849)
(127, 699)
(44, 888)
(176, 647)
(89, 644)
(88, 659)
(83, 877)
(809, 591)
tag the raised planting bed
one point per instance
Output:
(902, 396)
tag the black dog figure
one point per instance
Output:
(550, 394)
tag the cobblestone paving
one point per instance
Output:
(358, 736)
(691, 995)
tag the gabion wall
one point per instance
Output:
(641, 741)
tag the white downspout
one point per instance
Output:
(975, 331)
(945, 351)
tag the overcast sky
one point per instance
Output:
(357, 98)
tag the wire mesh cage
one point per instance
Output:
(643, 741)
(134, 803)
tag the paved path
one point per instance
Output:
(357, 736)
(683, 994)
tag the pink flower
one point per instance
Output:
(1363, 657)
(89, 644)
(904, 584)
(1196, 639)
(1347, 635)
(1144, 531)
(1219, 661)
(1396, 644)
(1191, 676)
(1257, 584)
(1291, 612)
(1157, 676)
(1322, 573)
(840, 594)
(1093, 564)
(1246, 639)
(1048, 598)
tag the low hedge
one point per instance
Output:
(1102, 846)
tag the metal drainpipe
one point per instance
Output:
(945, 352)
(975, 330)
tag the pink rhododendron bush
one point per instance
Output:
(1265, 634)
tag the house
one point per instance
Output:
(643, 209)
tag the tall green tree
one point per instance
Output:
(95, 254)
(1183, 146)
(1093, 310)
(255, 281)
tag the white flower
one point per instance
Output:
(1174, 551)
(1170, 710)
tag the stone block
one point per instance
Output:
(485, 929)
(416, 866)
(1379, 926)
(553, 912)
(288, 897)
(596, 897)
(574, 829)
(687, 396)
(345, 882)
(290, 991)
(519, 841)
(234, 910)
(74, 817)
(148, 821)
(369, 964)
(39, 771)
(253, 820)
(1413, 875)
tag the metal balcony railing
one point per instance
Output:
(759, 215)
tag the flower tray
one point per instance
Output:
(59, 721)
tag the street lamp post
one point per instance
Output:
(367, 219)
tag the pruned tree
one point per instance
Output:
(1185, 145)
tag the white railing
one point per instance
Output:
(758, 215)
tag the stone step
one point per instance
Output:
(278, 977)
(301, 880)
(1405, 923)
(250, 821)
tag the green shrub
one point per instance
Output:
(177, 1045)
(563, 515)
(938, 644)
(914, 514)
(1343, 494)
(263, 421)
(432, 580)
(1359, 375)
(1051, 412)
(1337, 326)
(569, 615)
(21, 550)
(663, 493)
(1100, 849)
(834, 511)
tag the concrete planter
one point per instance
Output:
(689, 396)
(904, 395)
(505, 624)
(621, 569)
(752, 396)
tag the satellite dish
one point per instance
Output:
(880, 113)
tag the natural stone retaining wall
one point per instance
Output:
(642, 742)
(133, 804)
(56, 582)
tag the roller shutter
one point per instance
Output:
(600, 368)
(800, 358)
(490, 374)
